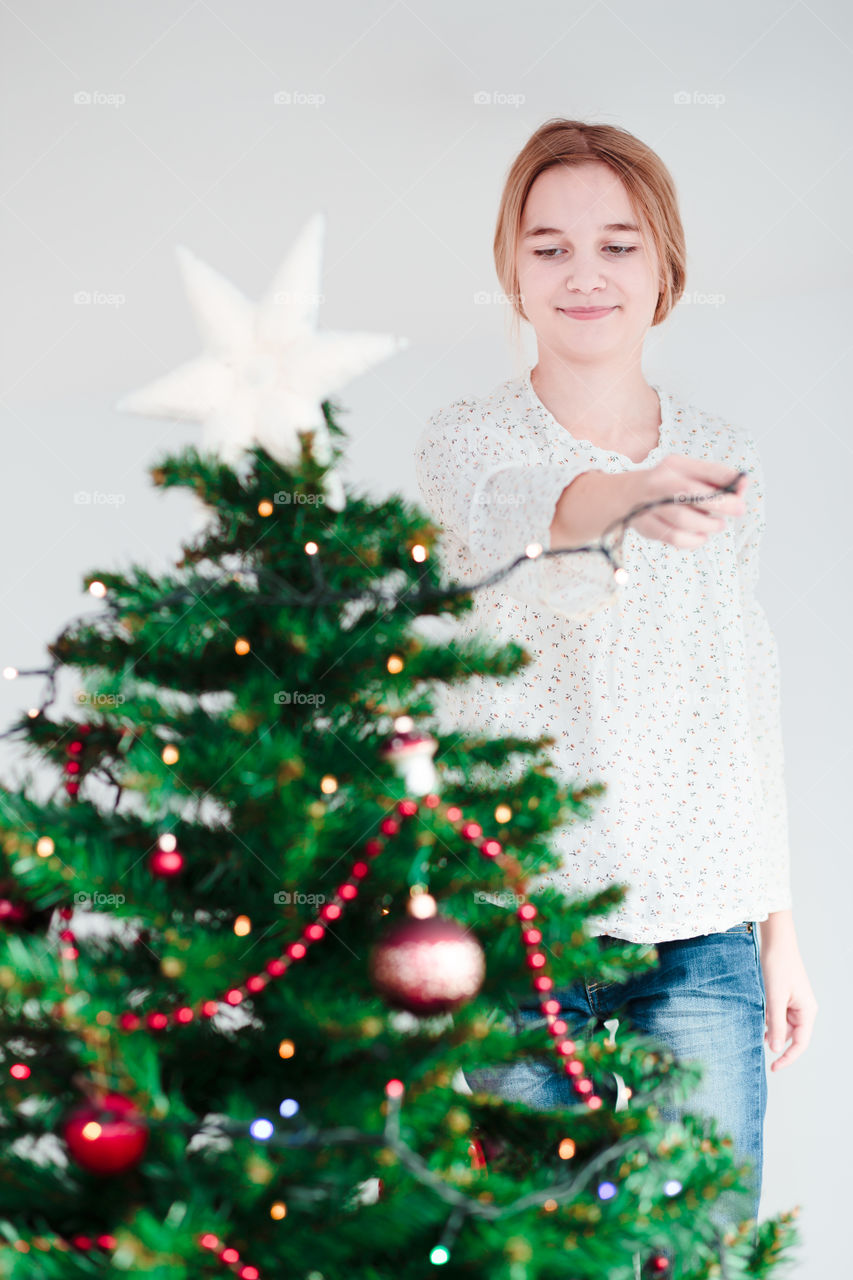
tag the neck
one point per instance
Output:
(613, 407)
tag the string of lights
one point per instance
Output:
(410, 598)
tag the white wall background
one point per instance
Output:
(409, 167)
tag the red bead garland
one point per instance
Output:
(390, 825)
(106, 1243)
(536, 961)
(229, 1256)
(81, 1243)
(295, 951)
(72, 765)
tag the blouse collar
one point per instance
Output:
(548, 420)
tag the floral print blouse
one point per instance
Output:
(664, 686)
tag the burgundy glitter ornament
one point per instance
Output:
(427, 965)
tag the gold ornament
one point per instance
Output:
(289, 769)
(518, 1249)
(242, 721)
(458, 1120)
(259, 1171)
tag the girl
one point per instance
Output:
(662, 681)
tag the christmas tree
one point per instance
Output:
(256, 1065)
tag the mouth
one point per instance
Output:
(586, 313)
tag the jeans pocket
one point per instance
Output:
(745, 926)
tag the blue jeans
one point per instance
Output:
(705, 1000)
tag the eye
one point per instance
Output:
(624, 250)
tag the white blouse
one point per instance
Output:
(664, 687)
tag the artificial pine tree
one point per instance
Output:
(254, 1069)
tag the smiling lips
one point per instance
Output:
(586, 313)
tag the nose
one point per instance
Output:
(583, 274)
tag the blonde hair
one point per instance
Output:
(646, 178)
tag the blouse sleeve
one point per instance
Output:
(476, 482)
(763, 676)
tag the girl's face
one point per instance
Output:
(574, 251)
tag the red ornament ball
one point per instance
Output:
(166, 862)
(12, 914)
(17, 914)
(109, 1136)
(427, 966)
(477, 1154)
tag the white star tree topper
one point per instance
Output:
(266, 367)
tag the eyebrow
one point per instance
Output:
(555, 231)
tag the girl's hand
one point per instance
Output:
(686, 523)
(791, 1004)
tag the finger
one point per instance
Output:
(707, 471)
(710, 501)
(793, 1051)
(777, 1022)
(677, 535)
(704, 507)
(685, 518)
(712, 482)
